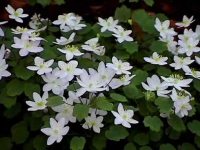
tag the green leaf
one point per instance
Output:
(103, 104)
(176, 123)
(133, 1)
(77, 143)
(86, 63)
(35, 123)
(13, 111)
(121, 1)
(155, 136)
(30, 88)
(173, 134)
(131, 47)
(121, 54)
(140, 77)
(50, 52)
(145, 148)
(132, 92)
(158, 46)
(60, 2)
(163, 71)
(123, 13)
(164, 104)
(141, 139)
(6, 143)
(187, 146)
(54, 101)
(106, 34)
(53, 29)
(22, 72)
(196, 84)
(194, 127)
(44, 2)
(149, 2)
(14, 87)
(130, 146)
(99, 141)
(145, 21)
(118, 97)
(39, 143)
(167, 147)
(161, 16)
(7, 101)
(81, 111)
(197, 141)
(116, 133)
(154, 123)
(19, 132)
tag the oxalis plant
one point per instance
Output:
(90, 83)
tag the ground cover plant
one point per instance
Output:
(131, 79)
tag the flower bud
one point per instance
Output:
(149, 96)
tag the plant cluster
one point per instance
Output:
(107, 81)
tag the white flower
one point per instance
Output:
(197, 60)
(106, 74)
(181, 63)
(39, 102)
(54, 83)
(3, 22)
(188, 47)
(77, 25)
(181, 101)
(171, 44)
(56, 131)
(3, 65)
(65, 111)
(197, 31)
(187, 35)
(65, 20)
(34, 36)
(124, 117)
(37, 23)
(122, 35)
(65, 41)
(154, 84)
(92, 45)
(156, 59)
(163, 28)
(180, 95)
(16, 14)
(182, 107)
(69, 70)
(41, 66)
(192, 72)
(98, 112)
(177, 81)
(186, 22)
(70, 51)
(123, 80)
(2, 51)
(108, 24)
(69, 22)
(73, 98)
(1, 31)
(93, 122)
(20, 30)
(90, 83)
(26, 45)
(119, 66)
